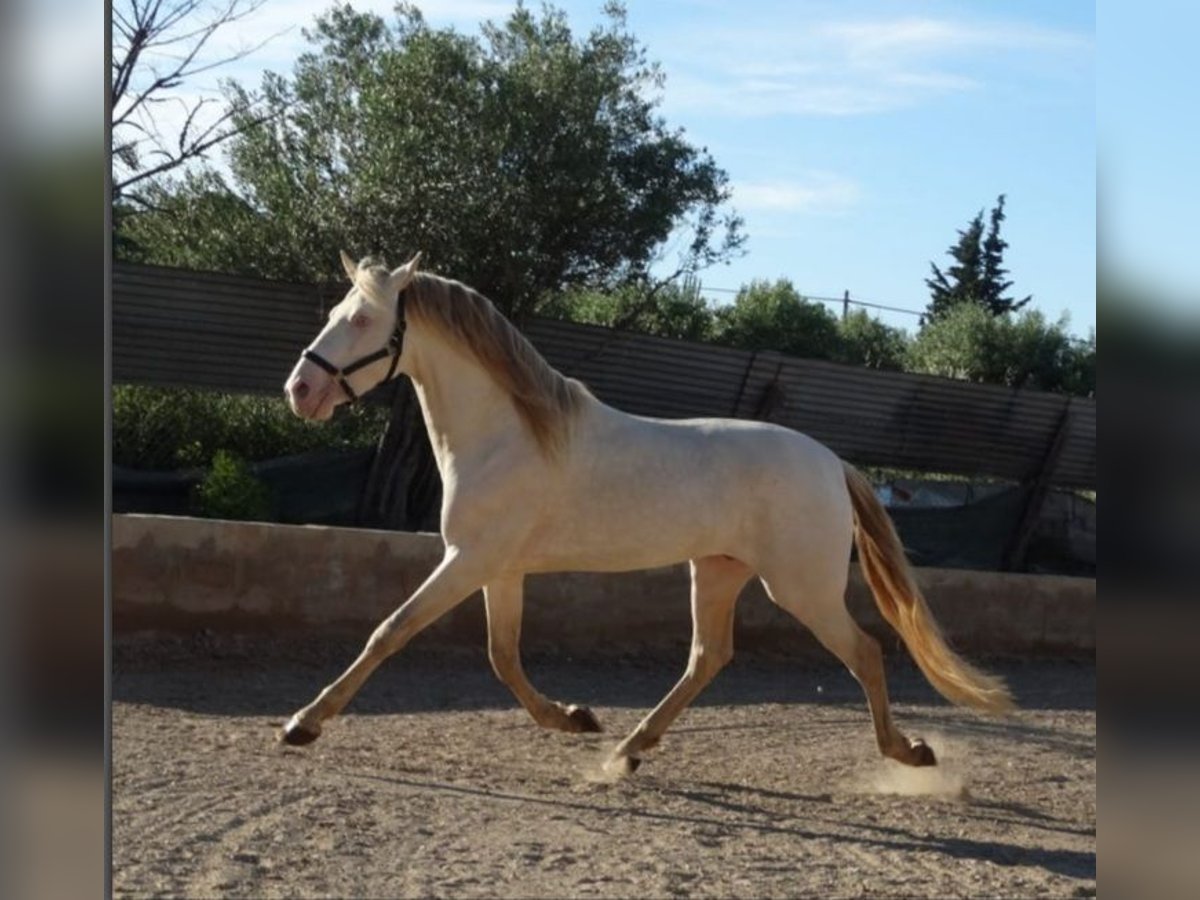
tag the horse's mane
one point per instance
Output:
(545, 400)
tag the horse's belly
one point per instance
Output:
(606, 535)
(550, 558)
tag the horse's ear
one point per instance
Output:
(349, 265)
(400, 277)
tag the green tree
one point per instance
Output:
(524, 162)
(1080, 375)
(1020, 351)
(992, 285)
(201, 224)
(774, 316)
(865, 341)
(675, 310)
(977, 275)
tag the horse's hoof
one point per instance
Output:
(620, 766)
(582, 720)
(297, 735)
(922, 754)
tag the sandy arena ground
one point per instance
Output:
(435, 783)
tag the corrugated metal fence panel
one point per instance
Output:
(643, 374)
(208, 330)
(1077, 465)
(920, 422)
(218, 331)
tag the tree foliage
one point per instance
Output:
(764, 316)
(977, 275)
(865, 341)
(1017, 350)
(769, 315)
(523, 162)
(675, 310)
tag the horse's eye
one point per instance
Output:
(358, 320)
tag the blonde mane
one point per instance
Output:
(545, 400)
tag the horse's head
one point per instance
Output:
(360, 346)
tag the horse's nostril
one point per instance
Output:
(300, 389)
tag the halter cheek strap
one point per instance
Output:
(394, 346)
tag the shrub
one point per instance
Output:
(171, 428)
(230, 491)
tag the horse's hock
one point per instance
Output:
(174, 573)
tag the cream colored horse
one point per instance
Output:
(539, 476)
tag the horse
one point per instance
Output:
(539, 475)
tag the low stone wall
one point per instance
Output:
(172, 573)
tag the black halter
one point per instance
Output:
(394, 345)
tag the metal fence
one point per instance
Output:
(197, 329)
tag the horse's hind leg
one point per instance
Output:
(716, 583)
(456, 578)
(504, 600)
(824, 612)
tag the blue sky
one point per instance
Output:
(858, 136)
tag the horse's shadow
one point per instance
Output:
(755, 817)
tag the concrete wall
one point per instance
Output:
(171, 573)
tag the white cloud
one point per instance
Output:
(916, 37)
(842, 68)
(818, 193)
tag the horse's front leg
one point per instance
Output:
(456, 578)
(504, 598)
(716, 583)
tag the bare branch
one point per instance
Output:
(144, 76)
(194, 151)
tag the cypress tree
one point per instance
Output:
(960, 283)
(978, 273)
(993, 284)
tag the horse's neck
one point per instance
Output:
(464, 409)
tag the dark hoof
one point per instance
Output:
(633, 763)
(582, 720)
(922, 754)
(296, 735)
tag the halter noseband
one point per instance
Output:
(394, 346)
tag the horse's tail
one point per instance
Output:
(902, 605)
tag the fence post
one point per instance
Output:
(1014, 553)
